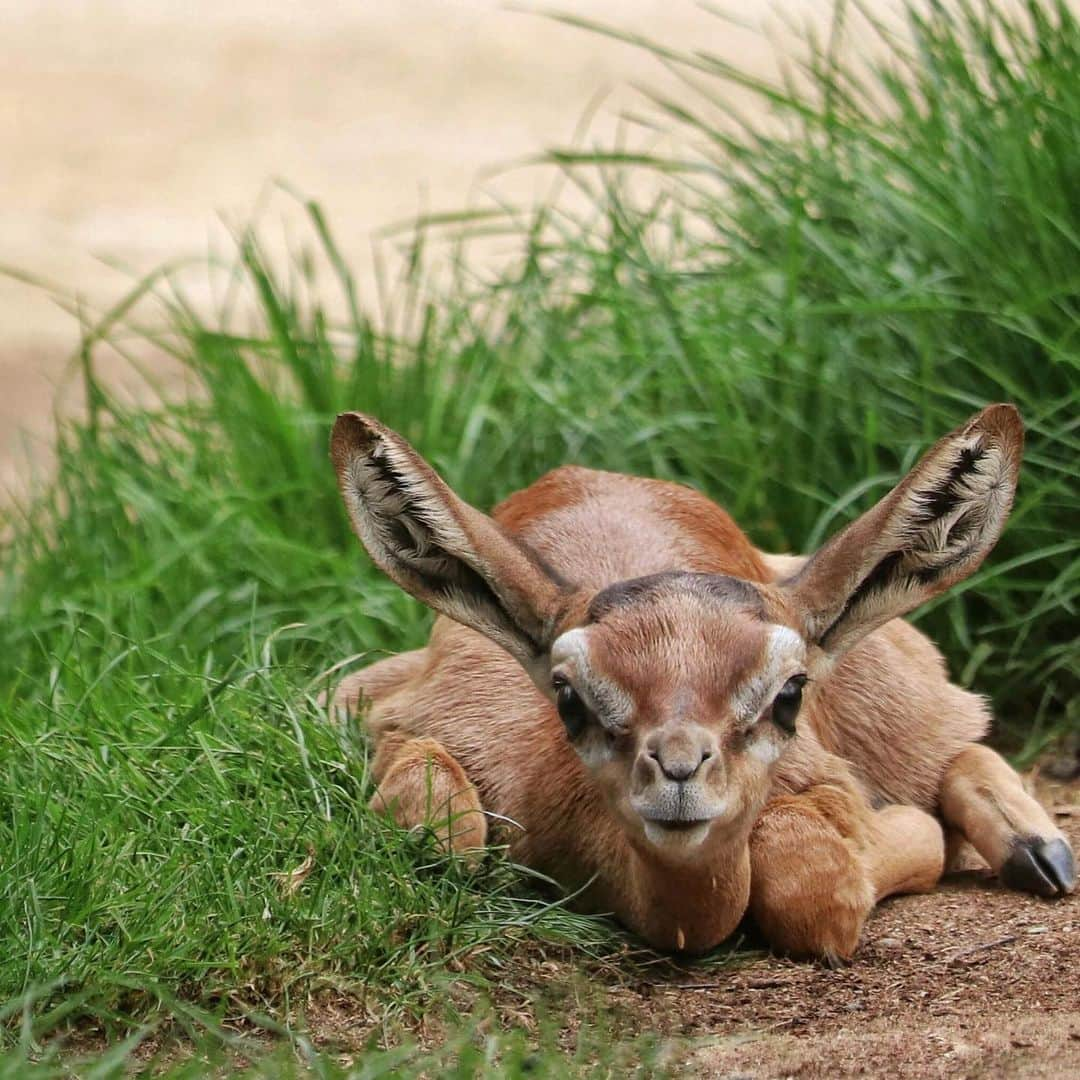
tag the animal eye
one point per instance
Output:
(571, 708)
(785, 706)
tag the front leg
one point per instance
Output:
(421, 785)
(820, 860)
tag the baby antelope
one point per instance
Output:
(677, 725)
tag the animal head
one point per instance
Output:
(680, 691)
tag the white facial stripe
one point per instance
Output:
(766, 748)
(593, 747)
(572, 649)
(611, 705)
(785, 653)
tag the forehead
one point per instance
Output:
(675, 585)
(678, 633)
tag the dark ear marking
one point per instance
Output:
(437, 547)
(930, 531)
(937, 502)
(945, 525)
(882, 577)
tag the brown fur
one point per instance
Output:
(420, 783)
(801, 842)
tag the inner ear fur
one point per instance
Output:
(439, 549)
(931, 531)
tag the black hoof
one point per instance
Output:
(1045, 867)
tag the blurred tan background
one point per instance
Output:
(130, 128)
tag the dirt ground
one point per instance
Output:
(969, 981)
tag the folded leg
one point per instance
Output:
(821, 859)
(420, 784)
(985, 799)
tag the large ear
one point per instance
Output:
(933, 529)
(438, 548)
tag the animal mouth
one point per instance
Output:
(679, 834)
(679, 825)
(682, 824)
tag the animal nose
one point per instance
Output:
(679, 762)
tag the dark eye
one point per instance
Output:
(785, 706)
(571, 708)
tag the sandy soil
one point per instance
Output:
(131, 129)
(969, 981)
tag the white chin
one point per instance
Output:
(676, 839)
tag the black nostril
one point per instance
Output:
(706, 754)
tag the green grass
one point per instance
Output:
(785, 320)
